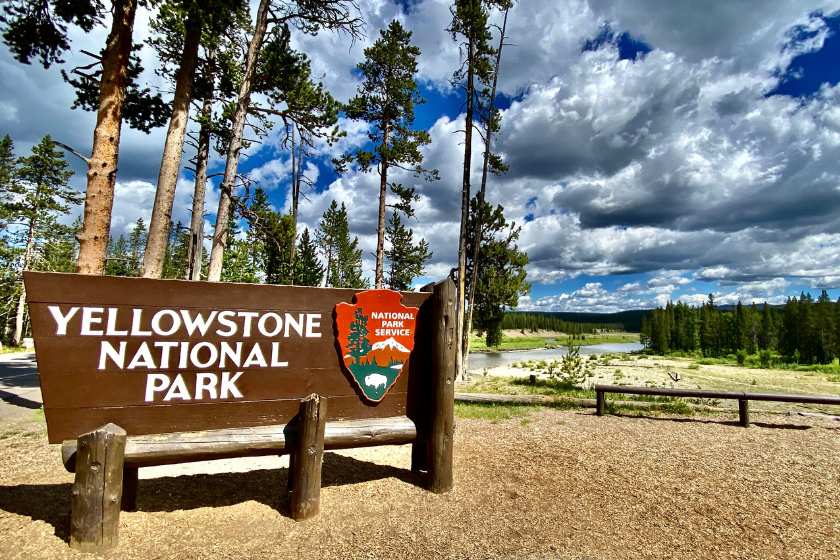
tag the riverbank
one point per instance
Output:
(517, 340)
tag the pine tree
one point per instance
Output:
(344, 258)
(179, 25)
(36, 199)
(118, 260)
(357, 342)
(271, 26)
(136, 247)
(38, 28)
(270, 235)
(386, 100)
(59, 252)
(501, 267)
(240, 263)
(308, 271)
(7, 164)
(406, 259)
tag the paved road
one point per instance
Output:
(20, 389)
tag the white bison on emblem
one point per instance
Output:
(375, 380)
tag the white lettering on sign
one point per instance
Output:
(198, 322)
(389, 315)
(223, 319)
(62, 320)
(107, 351)
(156, 354)
(88, 320)
(313, 321)
(159, 386)
(175, 318)
(112, 324)
(393, 332)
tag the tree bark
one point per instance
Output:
(465, 212)
(237, 127)
(102, 165)
(21, 308)
(380, 230)
(296, 171)
(170, 164)
(465, 350)
(196, 247)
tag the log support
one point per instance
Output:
(442, 426)
(599, 403)
(308, 458)
(744, 412)
(97, 490)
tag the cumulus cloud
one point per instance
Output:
(679, 167)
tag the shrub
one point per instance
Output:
(741, 356)
(766, 358)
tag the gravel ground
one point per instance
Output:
(564, 485)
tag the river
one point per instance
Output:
(479, 361)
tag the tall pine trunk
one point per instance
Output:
(482, 190)
(196, 246)
(465, 212)
(195, 250)
(170, 164)
(237, 128)
(21, 308)
(297, 166)
(102, 165)
(383, 191)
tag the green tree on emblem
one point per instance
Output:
(357, 342)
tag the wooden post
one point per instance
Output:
(744, 412)
(599, 405)
(291, 471)
(129, 489)
(442, 428)
(97, 490)
(309, 455)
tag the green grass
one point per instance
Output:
(563, 390)
(494, 412)
(522, 343)
(14, 350)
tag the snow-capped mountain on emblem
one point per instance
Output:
(376, 336)
(386, 353)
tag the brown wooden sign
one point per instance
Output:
(159, 356)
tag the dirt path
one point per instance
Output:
(566, 484)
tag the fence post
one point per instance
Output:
(309, 454)
(599, 404)
(441, 432)
(744, 412)
(97, 490)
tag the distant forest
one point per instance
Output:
(630, 321)
(805, 330)
(547, 321)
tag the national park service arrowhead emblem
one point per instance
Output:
(376, 335)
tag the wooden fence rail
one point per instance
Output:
(185, 447)
(743, 398)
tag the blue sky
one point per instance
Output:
(659, 150)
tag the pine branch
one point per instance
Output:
(72, 151)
